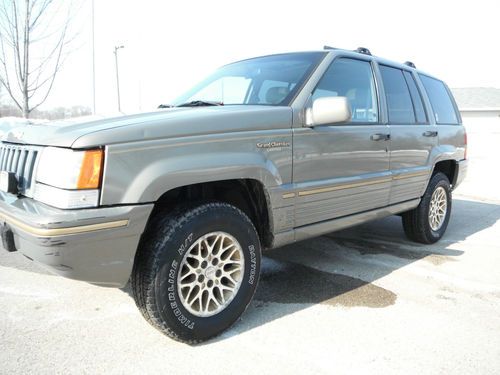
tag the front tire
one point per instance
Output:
(197, 271)
(427, 222)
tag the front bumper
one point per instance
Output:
(95, 245)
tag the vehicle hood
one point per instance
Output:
(168, 123)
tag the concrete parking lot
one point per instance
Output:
(363, 300)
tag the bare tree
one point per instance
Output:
(34, 36)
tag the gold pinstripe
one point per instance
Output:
(327, 189)
(51, 232)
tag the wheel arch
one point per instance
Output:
(150, 182)
(248, 195)
(449, 168)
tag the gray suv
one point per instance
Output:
(265, 152)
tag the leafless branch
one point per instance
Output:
(34, 45)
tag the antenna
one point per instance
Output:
(410, 64)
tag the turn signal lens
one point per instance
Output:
(90, 172)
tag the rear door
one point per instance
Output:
(413, 138)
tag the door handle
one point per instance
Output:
(380, 137)
(430, 133)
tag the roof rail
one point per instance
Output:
(410, 64)
(363, 50)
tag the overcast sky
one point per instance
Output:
(170, 45)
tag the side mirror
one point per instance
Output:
(328, 110)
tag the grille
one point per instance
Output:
(21, 160)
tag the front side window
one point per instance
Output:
(399, 103)
(268, 80)
(442, 105)
(353, 79)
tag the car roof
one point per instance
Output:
(349, 53)
(379, 59)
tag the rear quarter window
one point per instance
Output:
(441, 102)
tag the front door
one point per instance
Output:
(342, 169)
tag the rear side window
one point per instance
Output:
(442, 104)
(399, 103)
(418, 106)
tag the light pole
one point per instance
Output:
(93, 58)
(117, 76)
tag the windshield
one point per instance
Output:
(269, 80)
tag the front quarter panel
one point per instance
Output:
(141, 172)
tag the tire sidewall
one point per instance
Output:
(439, 180)
(219, 218)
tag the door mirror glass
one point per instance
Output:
(329, 110)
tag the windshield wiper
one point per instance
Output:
(200, 103)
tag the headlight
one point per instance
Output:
(69, 179)
(68, 169)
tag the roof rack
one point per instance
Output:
(410, 64)
(363, 50)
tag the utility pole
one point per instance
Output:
(93, 59)
(117, 76)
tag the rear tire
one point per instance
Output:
(197, 271)
(427, 222)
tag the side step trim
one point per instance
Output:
(313, 230)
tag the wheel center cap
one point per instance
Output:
(210, 273)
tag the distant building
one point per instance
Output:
(478, 105)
